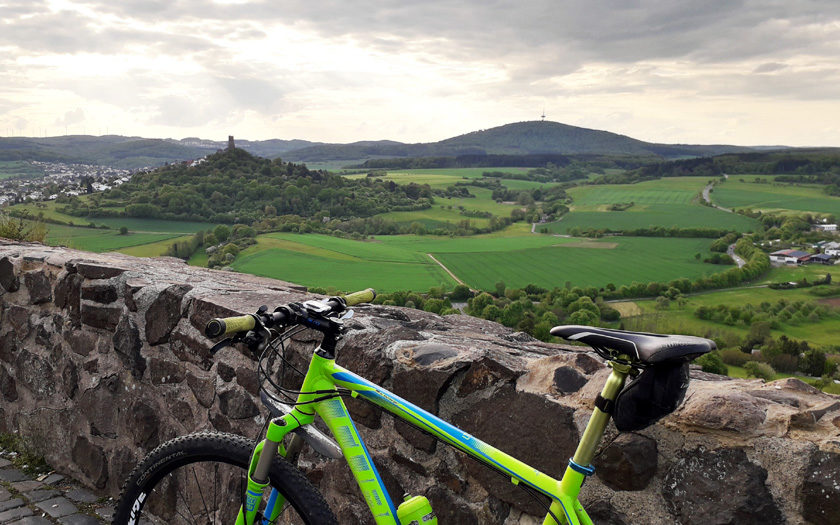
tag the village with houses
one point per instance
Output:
(825, 252)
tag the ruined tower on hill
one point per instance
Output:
(230, 147)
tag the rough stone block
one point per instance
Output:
(101, 316)
(103, 292)
(39, 286)
(164, 313)
(723, 486)
(9, 269)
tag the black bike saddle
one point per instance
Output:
(647, 348)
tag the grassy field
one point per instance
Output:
(100, 240)
(10, 169)
(444, 177)
(741, 192)
(319, 260)
(664, 202)
(682, 320)
(401, 262)
(449, 210)
(618, 260)
(49, 209)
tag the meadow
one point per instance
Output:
(673, 201)
(102, 240)
(676, 319)
(18, 168)
(740, 191)
(401, 262)
(49, 210)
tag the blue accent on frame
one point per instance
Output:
(586, 471)
(269, 507)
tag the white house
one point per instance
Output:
(825, 227)
(832, 248)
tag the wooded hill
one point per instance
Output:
(799, 161)
(129, 152)
(235, 186)
(521, 138)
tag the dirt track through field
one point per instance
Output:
(447, 270)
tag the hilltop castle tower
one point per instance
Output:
(230, 147)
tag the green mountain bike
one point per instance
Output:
(226, 479)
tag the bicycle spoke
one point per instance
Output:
(186, 503)
(201, 494)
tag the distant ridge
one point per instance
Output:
(520, 138)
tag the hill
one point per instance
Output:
(521, 138)
(130, 152)
(235, 186)
(511, 140)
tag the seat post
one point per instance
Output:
(599, 419)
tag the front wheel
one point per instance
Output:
(200, 478)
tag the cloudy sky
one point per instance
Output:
(743, 72)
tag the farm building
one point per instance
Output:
(826, 227)
(789, 256)
(832, 248)
(821, 258)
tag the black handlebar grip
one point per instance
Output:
(214, 328)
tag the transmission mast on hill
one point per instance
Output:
(542, 118)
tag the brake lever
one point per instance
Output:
(221, 344)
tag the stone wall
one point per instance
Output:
(102, 358)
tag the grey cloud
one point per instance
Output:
(71, 32)
(769, 67)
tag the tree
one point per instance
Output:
(584, 317)
(812, 363)
(221, 233)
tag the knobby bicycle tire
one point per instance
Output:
(172, 485)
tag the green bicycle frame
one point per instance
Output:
(324, 375)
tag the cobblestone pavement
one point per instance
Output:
(47, 499)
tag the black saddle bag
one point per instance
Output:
(654, 394)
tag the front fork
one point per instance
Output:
(258, 475)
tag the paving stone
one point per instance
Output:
(79, 519)
(4, 494)
(12, 474)
(41, 494)
(10, 504)
(81, 496)
(13, 514)
(4, 462)
(26, 486)
(51, 479)
(32, 520)
(106, 512)
(58, 507)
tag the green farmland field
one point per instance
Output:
(773, 196)
(444, 177)
(50, 211)
(401, 262)
(619, 260)
(682, 320)
(664, 202)
(100, 240)
(10, 169)
(318, 260)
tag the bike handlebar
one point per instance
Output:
(229, 325)
(243, 323)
